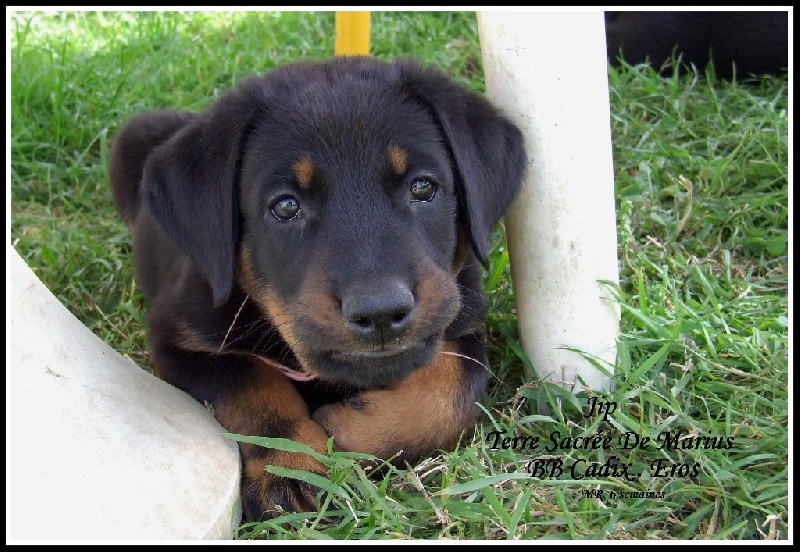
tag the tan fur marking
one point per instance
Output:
(245, 274)
(438, 296)
(399, 159)
(296, 460)
(277, 311)
(270, 394)
(319, 307)
(419, 415)
(462, 250)
(304, 172)
(317, 440)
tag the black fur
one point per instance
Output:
(752, 42)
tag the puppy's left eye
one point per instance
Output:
(422, 189)
(286, 208)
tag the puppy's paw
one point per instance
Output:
(266, 495)
(375, 422)
(427, 410)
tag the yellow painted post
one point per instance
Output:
(352, 33)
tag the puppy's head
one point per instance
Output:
(343, 197)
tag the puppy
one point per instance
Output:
(753, 42)
(309, 248)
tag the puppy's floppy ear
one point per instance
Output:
(190, 183)
(487, 148)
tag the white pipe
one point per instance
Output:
(548, 72)
(96, 447)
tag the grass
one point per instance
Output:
(701, 172)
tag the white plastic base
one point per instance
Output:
(97, 448)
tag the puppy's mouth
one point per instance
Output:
(364, 369)
(375, 368)
(378, 355)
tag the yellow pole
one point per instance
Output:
(352, 33)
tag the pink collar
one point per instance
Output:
(286, 371)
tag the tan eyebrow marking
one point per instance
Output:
(304, 172)
(399, 159)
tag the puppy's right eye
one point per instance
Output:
(422, 189)
(286, 208)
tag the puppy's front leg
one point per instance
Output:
(270, 405)
(428, 410)
(250, 397)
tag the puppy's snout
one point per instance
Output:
(378, 312)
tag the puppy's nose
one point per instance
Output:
(378, 312)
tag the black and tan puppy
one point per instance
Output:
(309, 248)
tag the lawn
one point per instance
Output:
(701, 170)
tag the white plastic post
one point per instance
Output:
(548, 72)
(97, 448)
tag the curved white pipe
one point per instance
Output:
(97, 448)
